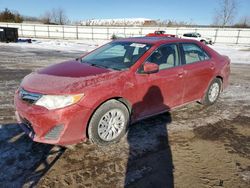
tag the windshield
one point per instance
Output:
(116, 55)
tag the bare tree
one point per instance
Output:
(55, 16)
(47, 17)
(226, 12)
(62, 18)
(244, 22)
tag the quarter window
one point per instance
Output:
(194, 53)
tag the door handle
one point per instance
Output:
(180, 74)
(212, 66)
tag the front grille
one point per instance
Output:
(28, 96)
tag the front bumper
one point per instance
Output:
(60, 127)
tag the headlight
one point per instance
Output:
(58, 101)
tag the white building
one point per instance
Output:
(119, 22)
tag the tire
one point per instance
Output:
(213, 92)
(109, 123)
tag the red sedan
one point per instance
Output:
(160, 34)
(96, 96)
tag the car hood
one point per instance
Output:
(66, 78)
(73, 69)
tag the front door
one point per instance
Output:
(158, 92)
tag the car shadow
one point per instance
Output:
(150, 158)
(22, 161)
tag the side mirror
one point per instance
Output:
(150, 68)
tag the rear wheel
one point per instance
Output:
(213, 92)
(109, 123)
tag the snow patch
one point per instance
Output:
(237, 53)
(60, 45)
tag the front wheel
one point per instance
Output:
(109, 123)
(213, 92)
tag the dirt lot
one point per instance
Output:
(193, 146)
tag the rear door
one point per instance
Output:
(198, 68)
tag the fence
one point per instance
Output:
(218, 35)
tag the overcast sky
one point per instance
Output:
(196, 11)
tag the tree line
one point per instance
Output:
(10, 16)
(54, 16)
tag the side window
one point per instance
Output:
(187, 35)
(165, 56)
(194, 35)
(194, 53)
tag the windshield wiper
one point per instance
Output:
(100, 66)
(96, 65)
(115, 68)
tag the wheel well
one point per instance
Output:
(126, 103)
(221, 82)
(120, 99)
(220, 78)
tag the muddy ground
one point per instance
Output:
(193, 146)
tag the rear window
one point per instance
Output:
(193, 53)
(186, 35)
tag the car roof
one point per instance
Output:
(153, 40)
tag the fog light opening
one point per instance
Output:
(54, 133)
